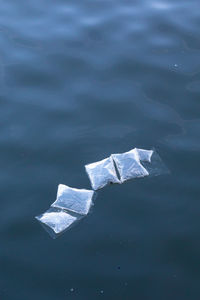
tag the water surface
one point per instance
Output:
(80, 80)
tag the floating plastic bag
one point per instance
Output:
(144, 155)
(72, 199)
(102, 173)
(156, 166)
(73, 204)
(129, 166)
(57, 221)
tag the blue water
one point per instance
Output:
(80, 80)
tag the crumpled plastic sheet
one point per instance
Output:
(56, 222)
(102, 173)
(72, 199)
(128, 164)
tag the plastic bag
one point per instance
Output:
(144, 155)
(156, 166)
(72, 199)
(128, 165)
(57, 221)
(73, 204)
(102, 173)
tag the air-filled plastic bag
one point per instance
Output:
(72, 199)
(128, 165)
(102, 173)
(156, 166)
(57, 221)
(144, 155)
(73, 204)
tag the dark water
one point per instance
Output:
(80, 80)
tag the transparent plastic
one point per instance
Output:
(144, 155)
(57, 221)
(72, 199)
(156, 166)
(102, 173)
(73, 204)
(128, 165)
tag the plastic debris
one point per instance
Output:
(72, 199)
(102, 173)
(73, 204)
(156, 166)
(57, 221)
(144, 155)
(129, 166)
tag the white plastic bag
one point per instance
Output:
(155, 166)
(57, 221)
(73, 204)
(72, 199)
(102, 173)
(128, 165)
(144, 155)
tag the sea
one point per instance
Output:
(80, 80)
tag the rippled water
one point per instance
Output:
(80, 80)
